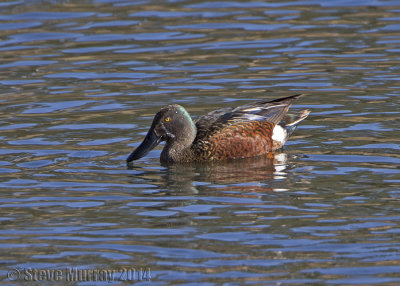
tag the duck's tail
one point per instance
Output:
(285, 128)
(291, 124)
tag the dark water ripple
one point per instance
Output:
(81, 81)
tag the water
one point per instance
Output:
(80, 83)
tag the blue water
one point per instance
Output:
(80, 83)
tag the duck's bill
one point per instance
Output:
(150, 141)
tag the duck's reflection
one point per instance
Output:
(190, 177)
(250, 173)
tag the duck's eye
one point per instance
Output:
(167, 119)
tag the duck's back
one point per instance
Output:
(240, 132)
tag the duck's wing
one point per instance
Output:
(270, 111)
(211, 122)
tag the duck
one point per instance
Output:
(253, 129)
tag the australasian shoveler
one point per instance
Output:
(249, 130)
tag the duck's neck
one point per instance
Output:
(178, 148)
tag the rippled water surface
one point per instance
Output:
(81, 81)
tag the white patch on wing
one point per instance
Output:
(252, 109)
(254, 117)
(279, 134)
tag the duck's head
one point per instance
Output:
(172, 124)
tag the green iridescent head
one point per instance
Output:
(171, 124)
